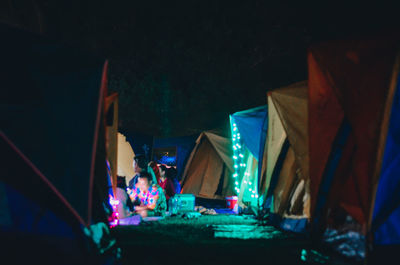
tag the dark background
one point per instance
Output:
(181, 67)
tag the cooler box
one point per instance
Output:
(231, 202)
(182, 203)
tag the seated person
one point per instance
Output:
(140, 165)
(166, 183)
(172, 174)
(155, 169)
(125, 203)
(149, 199)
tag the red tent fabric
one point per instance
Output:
(348, 81)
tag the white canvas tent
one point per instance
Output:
(209, 168)
(125, 158)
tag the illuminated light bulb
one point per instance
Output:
(254, 191)
(237, 183)
(235, 175)
(236, 166)
(234, 129)
(235, 157)
(249, 189)
(250, 182)
(256, 195)
(234, 148)
(240, 155)
(252, 195)
(234, 124)
(245, 182)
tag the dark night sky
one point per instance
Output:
(181, 67)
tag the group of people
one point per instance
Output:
(148, 191)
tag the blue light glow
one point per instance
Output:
(168, 160)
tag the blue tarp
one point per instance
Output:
(184, 145)
(288, 224)
(386, 216)
(251, 126)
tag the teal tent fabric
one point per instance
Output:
(251, 126)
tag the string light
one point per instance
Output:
(236, 156)
(240, 174)
(114, 219)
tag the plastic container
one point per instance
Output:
(181, 203)
(231, 202)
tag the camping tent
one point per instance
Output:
(209, 168)
(249, 130)
(52, 145)
(184, 145)
(354, 136)
(285, 167)
(125, 159)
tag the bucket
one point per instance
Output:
(231, 202)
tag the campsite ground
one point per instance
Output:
(211, 239)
